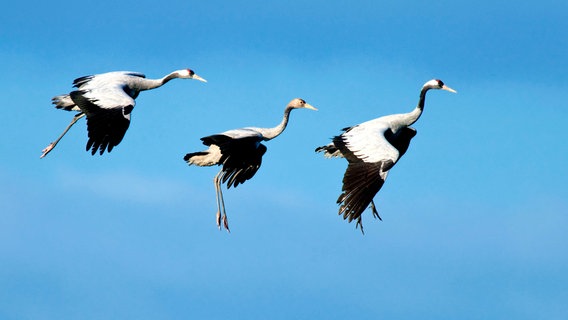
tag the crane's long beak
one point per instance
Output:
(196, 77)
(448, 89)
(309, 106)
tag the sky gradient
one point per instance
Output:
(474, 214)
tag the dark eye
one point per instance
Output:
(440, 83)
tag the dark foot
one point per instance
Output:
(359, 224)
(223, 218)
(375, 212)
(226, 223)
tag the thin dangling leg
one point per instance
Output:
(216, 181)
(53, 144)
(360, 224)
(375, 215)
(221, 213)
(375, 212)
(224, 217)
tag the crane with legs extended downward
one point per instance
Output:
(371, 149)
(107, 99)
(239, 152)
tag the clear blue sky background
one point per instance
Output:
(475, 214)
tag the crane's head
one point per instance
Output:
(189, 74)
(437, 84)
(300, 103)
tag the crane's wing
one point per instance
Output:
(370, 156)
(97, 79)
(241, 154)
(108, 111)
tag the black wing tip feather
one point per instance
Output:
(106, 129)
(340, 144)
(361, 182)
(241, 160)
(100, 145)
(82, 80)
(217, 139)
(193, 154)
(94, 146)
(234, 177)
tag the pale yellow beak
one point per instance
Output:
(196, 77)
(448, 89)
(309, 106)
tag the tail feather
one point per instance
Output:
(64, 102)
(330, 151)
(205, 158)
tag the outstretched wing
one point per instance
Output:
(361, 183)
(96, 79)
(241, 154)
(108, 110)
(370, 156)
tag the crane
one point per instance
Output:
(371, 149)
(240, 152)
(107, 100)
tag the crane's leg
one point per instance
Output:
(375, 212)
(360, 224)
(53, 144)
(221, 213)
(216, 181)
(224, 217)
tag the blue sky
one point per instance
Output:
(474, 214)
